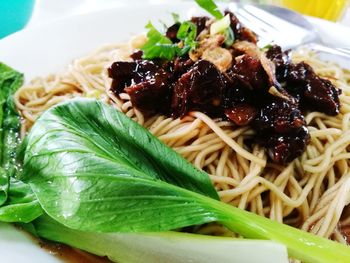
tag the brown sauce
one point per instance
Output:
(66, 253)
(71, 255)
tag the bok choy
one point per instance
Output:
(10, 80)
(169, 247)
(17, 201)
(93, 169)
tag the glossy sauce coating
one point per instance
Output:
(262, 89)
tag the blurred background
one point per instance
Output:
(16, 14)
(333, 10)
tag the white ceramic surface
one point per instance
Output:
(19, 247)
(42, 50)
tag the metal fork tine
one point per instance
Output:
(256, 21)
(264, 37)
(287, 29)
(263, 23)
(250, 24)
(269, 27)
(345, 50)
(261, 30)
(273, 21)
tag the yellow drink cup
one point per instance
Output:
(326, 9)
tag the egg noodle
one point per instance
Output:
(310, 193)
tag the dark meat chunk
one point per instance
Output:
(321, 95)
(251, 71)
(146, 83)
(280, 59)
(237, 91)
(256, 57)
(198, 89)
(122, 73)
(297, 73)
(241, 32)
(172, 32)
(284, 148)
(242, 114)
(282, 130)
(181, 65)
(314, 92)
(137, 55)
(279, 117)
(251, 49)
(200, 22)
(150, 98)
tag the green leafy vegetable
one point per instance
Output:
(169, 247)
(211, 7)
(21, 205)
(187, 33)
(220, 25)
(93, 169)
(176, 17)
(158, 45)
(10, 81)
(96, 173)
(266, 47)
(17, 201)
(223, 26)
(229, 37)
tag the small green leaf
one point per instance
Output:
(229, 37)
(158, 45)
(176, 17)
(211, 7)
(187, 33)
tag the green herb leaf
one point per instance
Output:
(92, 168)
(229, 37)
(187, 33)
(176, 17)
(10, 81)
(211, 7)
(158, 45)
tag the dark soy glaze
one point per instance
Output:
(263, 90)
(71, 255)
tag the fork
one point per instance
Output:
(286, 28)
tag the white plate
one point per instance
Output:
(49, 48)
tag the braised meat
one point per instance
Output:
(200, 88)
(146, 83)
(263, 90)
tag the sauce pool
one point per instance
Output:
(66, 253)
(71, 255)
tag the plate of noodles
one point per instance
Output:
(164, 133)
